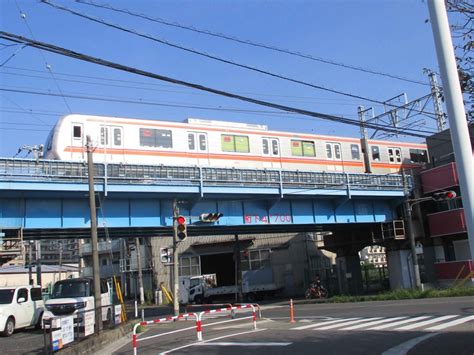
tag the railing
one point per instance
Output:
(65, 171)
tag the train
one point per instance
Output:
(212, 143)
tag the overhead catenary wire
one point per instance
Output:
(80, 56)
(249, 42)
(213, 57)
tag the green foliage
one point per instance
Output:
(403, 294)
(149, 297)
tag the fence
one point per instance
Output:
(198, 317)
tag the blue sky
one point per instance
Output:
(386, 36)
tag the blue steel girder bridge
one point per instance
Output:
(49, 199)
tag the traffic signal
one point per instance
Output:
(444, 196)
(210, 217)
(181, 231)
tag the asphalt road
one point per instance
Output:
(428, 326)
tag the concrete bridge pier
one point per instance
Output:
(349, 274)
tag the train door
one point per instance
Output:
(271, 150)
(334, 156)
(197, 143)
(111, 142)
(77, 141)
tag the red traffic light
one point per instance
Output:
(181, 231)
(443, 196)
(180, 220)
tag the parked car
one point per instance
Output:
(75, 297)
(20, 307)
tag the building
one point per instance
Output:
(375, 255)
(446, 242)
(18, 275)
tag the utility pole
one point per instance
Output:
(38, 262)
(411, 234)
(364, 139)
(30, 266)
(94, 242)
(456, 111)
(175, 259)
(438, 108)
(238, 272)
(140, 275)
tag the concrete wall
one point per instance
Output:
(401, 269)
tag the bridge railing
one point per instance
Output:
(61, 171)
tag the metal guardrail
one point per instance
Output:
(67, 171)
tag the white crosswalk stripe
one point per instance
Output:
(401, 323)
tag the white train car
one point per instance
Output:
(200, 142)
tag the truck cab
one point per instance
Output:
(20, 307)
(75, 297)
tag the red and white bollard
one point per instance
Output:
(292, 312)
(199, 329)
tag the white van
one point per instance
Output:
(74, 296)
(20, 307)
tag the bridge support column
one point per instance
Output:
(400, 269)
(349, 274)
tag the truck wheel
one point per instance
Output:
(9, 327)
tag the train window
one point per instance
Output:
(266, 151)
(418, 156)
(202, 142)
(77, 132)
(275, 147)
(104, 135)
(303, 148)
(158, 138)
(375, 152)
(231, 143)
(394, 155)
(337, 151)
(355, 152)
(117, 137)
(191, 142)
(329, 150)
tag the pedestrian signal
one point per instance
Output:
(165, 255)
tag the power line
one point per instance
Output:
(48, 66)
(102, 62)
(206, 55)
(250, 43)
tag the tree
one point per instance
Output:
(462, 21)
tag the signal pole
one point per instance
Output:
(95, 252)
(175, 259)
(456, 113)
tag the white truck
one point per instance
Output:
(204, 289)
(20, 307)
(76, 297)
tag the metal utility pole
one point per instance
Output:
(94, 242)
(456, 112)
(438, 108)
(411, 235)
(238, 272)
(140, 275)
(30, 266)
(175, 259)
(364, 139)
(38, 262)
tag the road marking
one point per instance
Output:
(347, 323)
(314, 325)
(426, 322)
(238, 326)
(410, 320)
(403, 348)
(372, 323)
(209, 340)
(244, 344)
(452, 323)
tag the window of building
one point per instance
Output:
(104, 262)
(157, 138)
(394, 155)
(303, 148)
(375, 152)
(355, 151)
(77, 132)
(255, 259)
(189, 266)
(418, 156)
(234, 143)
